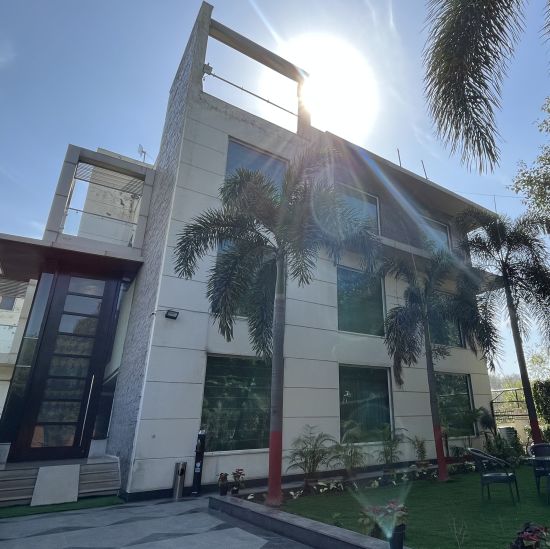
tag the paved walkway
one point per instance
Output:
(185, 524)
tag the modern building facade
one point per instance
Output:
(103, 370)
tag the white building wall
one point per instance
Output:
(172, 400)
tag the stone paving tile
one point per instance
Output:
(145, 525)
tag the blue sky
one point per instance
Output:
(97, 74)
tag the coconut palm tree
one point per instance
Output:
(267, 234)
(469, 46)
(411, 327)
(515, 253)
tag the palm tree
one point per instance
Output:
(267, 235)
(469, 46)
(515, 253)
(410, 327)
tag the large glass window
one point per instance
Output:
(364, 401)
(360, 306)
(437, 233)
(364, 206)
(445, 332)
(455, 403)
(249, 158)
(235, 407)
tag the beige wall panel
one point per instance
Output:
(312, 315)
(189, 204)
(179, 293)
(254, 462)
(323, 293)
(204, 157)
(411, 404)
(206, 135)
(293, 427)
(158, 474)
(240, 345)
(177, 365)
(166, 438)
(165, 400)
(311, 373)
(188, 331)
(199, 180)
(311, 403)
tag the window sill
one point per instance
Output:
(221, 453)
(360, 334)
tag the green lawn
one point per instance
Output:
(441, 515)
(85, 503)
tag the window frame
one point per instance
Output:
(384, 310)
(254, 148)
(462, 344)
(248, 358)
(388, 370)
(447, 229)
(475, 430)
(365, 193)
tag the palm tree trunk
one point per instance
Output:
(434, 406)
(274, 492)
(518, 344)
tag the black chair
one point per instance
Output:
(541, 467)
(493, 470)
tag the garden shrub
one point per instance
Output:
(541, 393)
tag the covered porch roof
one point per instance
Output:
(23, 258)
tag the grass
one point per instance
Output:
(441, 515)
(86, 503)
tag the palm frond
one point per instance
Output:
(259, 307)
(469, 46)
(404, 337)
(476, 312)
(210, 230)
(251, 193)
(230, 279)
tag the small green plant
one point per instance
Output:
(375, 520)
(419, 445)
(309, 451)
(390, 452)
(347, 454)
(337, 520)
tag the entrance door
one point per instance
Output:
(68, 369)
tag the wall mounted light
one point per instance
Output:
(171, 314)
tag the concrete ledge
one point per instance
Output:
(307, 531)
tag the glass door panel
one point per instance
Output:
(72, 354)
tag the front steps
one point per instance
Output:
(99, 476)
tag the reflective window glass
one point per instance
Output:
(74, 345)
(55, 411)
(69, 366)
(235, 411)
(83, 305)
(53, 436)
(87, 286)
(80, 325)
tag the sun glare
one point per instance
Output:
(341, 92)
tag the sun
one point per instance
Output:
(341, 92)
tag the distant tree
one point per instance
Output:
(409, 326)
(534, 181)
(470, 44)
(514, 252)
(538, 364)
(267, 235)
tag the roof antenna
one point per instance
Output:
(142, 152)
(424, 168)
(399, 156)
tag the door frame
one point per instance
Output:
(20, 448)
